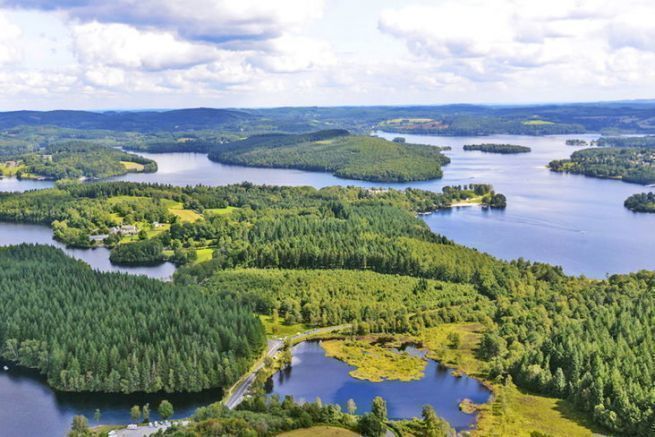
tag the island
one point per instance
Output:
(504, 149)
(75, 160)
(577, 142)
(642, 202)
(336, 151)
(630, 164)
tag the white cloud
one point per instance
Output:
(517, 41)
(9, 33)
(120, 45)
(213, 20)
(288, 54)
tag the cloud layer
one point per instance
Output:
(130, 53)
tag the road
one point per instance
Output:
(274, 346)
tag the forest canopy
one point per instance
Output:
(629, 164)
(73, 160)
(497, 148)
(355, 157)
(92, 331)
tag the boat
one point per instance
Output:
(5, 368)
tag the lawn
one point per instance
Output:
(204, 254)
(375, 363)
(320, 431)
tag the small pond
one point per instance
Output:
(312, 374)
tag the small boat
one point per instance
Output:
(5, 368)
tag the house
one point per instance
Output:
(124, 230)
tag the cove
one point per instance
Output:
(97, 258)
(31, 408)
(312, 374)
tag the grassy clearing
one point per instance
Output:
(281, 330)
(466, 202)
(375, 363)
(320, 431)
(186, 215)
(220, 211)
(204, 254)
(153, 232)
(132, 166)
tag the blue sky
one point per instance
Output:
(92, 54)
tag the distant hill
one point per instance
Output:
(181, 119)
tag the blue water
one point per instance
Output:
(312, 374)
(98, 258)
(30, 408)
(573, 221)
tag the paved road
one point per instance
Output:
(274, 346)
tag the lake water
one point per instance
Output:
(312, 374)
(31, 408)
(573, 221)
(98, 258)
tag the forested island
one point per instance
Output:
(642, 202)
(318, 257)
(336, 151)
(577, 142)
(504, 149)
(629, 164)
(74, 160)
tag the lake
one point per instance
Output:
(573, 221)
(569, 220)
(98, 258)
(312, 374)
(31, 408)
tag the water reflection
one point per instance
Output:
(312, 374)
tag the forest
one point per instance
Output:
(497, 148)
(361, 256)
(629, 164)
(91, 331)
(647, 141)
(297, 226)
(77, 159)
(642, 202)
(354, 157)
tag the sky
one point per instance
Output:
(143, 54)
